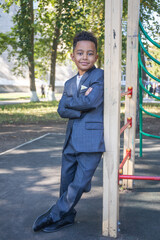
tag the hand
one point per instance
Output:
(88, 91)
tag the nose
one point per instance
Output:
(85, 56)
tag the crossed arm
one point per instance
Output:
(65, 112)
(74, 106)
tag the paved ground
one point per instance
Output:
(29, 183)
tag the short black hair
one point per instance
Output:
(84, 36)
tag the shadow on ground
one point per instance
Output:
(29, 183)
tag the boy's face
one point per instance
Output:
(84, 56)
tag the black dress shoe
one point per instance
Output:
(43, 221)
(58, 226)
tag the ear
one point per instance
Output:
(96, 57)
(72, 56)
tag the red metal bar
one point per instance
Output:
(154, 178)
(128, 93)
(128, 124)
(124, 127)
(127, 156)
(125, 93)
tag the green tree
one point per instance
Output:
(96, 24)
(21, 39)
(57, 22)
(75, 16)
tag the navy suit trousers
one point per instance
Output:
(76, 174)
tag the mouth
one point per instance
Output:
(84, 63)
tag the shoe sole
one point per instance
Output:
(56, 230)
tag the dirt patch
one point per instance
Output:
(14, 135)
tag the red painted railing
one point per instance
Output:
(128, 151)
(154, 178)
(132, 177)
(128, 93)
(127, 125)
(127, 156)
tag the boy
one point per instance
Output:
(82, 103)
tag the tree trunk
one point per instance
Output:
(54, 54)
(53, 64)
(34, 97)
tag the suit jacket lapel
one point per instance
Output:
(73, 86)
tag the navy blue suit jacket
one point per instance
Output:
(85, 113)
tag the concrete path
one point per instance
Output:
(29, 185)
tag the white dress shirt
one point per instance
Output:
(78, 80)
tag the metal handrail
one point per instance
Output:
(149, 135)
(146, 71)
(148, 113)
(141, 86)
(146, 52)
(147, 36)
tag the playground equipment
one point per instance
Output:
(141, 86)
(112, 171)
(129, 120)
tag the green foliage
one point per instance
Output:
(69, 17)
(75, 17)
(19, 36)
(5, 40)
(149, 15)
(153, 67)
(149, 10)
(97, 25)
(7, 4)
(69, 21)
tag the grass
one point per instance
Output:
(152, 107)
(44, 111)
(21, 96)
(14, 96)
(29, 113)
